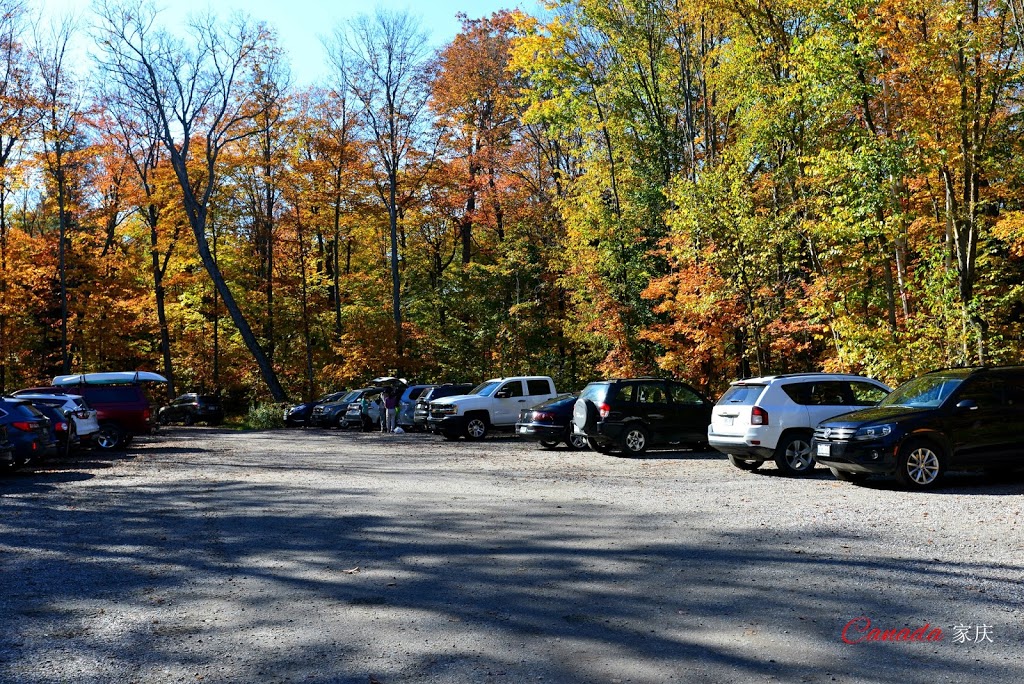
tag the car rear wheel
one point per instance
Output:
(793, 455)
(546, 444)
(163, 419)
(189, 420)
(635, 440)
(847, 476)
(743, 464)
(920, 465)
(110, 437)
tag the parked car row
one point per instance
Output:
(105, 411)
(962, 418)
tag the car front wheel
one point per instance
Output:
(545, 444)
(577, 441)
(920, 465)
(476, 428)
(793, 455)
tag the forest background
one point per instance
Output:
(706, 189)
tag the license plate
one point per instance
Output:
(728, 421)
(823, 449)
(524, 430)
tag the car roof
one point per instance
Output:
(768, 379)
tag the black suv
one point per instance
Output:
(422, 409)
(192, 408)
(636, 413)
(958, 418)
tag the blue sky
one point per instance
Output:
(302, 23)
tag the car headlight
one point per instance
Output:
(873, 432)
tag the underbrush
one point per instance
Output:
(265, 417)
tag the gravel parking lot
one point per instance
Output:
(324, 556)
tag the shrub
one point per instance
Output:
(265, 417)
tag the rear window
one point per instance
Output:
(595, 391)
(821, 393)
(537, 387)
(416, 392)
(743, 394)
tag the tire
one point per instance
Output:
(920, 465)
(189, 420)
(547, 445)
(597, 446)
(450, 436)
(743, 464)
(577, 442)
(793, 455)
(109, 438)
(584, 415)
(847, 476)
(476, 427)
(635, 439)
(162, 418)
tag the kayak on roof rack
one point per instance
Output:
(117, 378)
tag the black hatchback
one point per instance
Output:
(958, 418)
(637, 413)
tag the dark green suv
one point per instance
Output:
(637, 413)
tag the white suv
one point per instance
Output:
(773, 417)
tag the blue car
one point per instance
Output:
(29, 431)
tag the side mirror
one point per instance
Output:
(968, 405)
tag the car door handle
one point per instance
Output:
(657, 415)
(522, 401)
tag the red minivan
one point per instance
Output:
(122, 408)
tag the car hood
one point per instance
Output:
(456, 398)
(875, 414)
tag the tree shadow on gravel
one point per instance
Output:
(462, 586)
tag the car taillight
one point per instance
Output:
(24, 426)
(61, 427)
(543, 415)
(604, 410)
(83, 414)
(758, 416)
(145, 414)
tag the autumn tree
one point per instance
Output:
(386, 56)
(17, 116)
(200, 94)
(60, 105)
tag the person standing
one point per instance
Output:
(391, 408)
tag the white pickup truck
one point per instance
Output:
(494, 404)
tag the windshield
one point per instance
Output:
(486, 389)
(927, 391)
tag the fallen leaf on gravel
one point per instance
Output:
(352, 572)
(374, 680)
